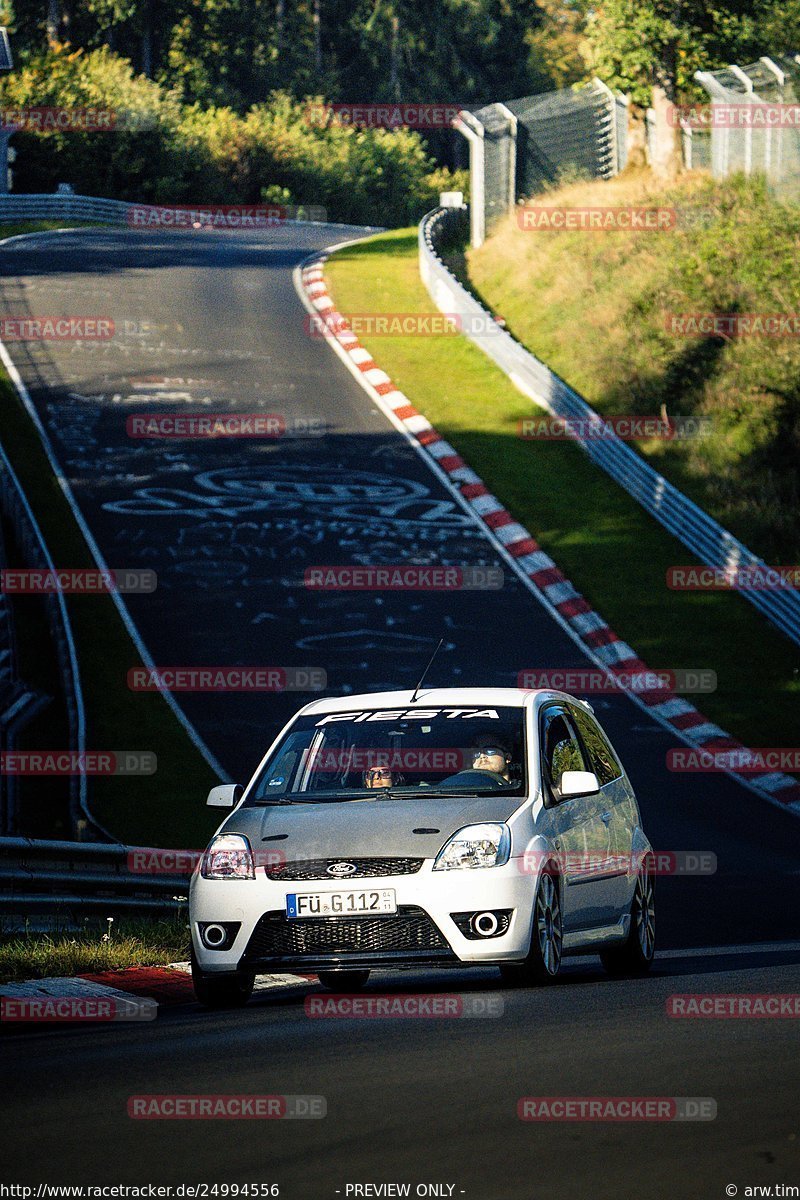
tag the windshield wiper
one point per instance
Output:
(381, 794)
(318, 798)
(272, 800)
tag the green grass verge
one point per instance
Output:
(128, 943)
(163, 809)
(13, 228)
(613, 552)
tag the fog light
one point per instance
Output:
(485, 924)
(218, 935)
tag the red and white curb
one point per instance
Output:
(536, 569)
(135, 994)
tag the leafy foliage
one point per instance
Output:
(236, 52)
(634, 44)
(191, 154)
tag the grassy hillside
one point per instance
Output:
(595, 306)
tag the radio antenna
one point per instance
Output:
(425, 672)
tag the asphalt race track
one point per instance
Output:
(210, 322)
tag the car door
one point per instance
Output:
(616, 806)
(580, 834)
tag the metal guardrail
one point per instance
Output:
(72, 880)
(30, 541)
(62, 206)
(699, 532)
(67, 206)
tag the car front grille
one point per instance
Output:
(317, 868)
(409, 929)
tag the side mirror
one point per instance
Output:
(578, 783)
(225, 795)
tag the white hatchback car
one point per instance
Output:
(456, 827)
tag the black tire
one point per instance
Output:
(221, 991)
(343, 981)
(634, 956)
(547, 938)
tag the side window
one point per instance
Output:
(604, 763)
(561, 747)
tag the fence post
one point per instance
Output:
(512, 156)
(781, 78)
(472, 130)
(748, 133)
(612, 115)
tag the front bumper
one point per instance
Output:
(421, 933)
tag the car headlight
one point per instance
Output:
(475, 846)
(228, 856)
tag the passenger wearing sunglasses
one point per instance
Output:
(381, 777)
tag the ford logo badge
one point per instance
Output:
(341, 868)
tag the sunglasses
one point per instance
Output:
(488, 752)
(378, 772)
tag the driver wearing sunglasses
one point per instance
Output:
(494, 757)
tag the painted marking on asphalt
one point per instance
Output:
(63, 986)
(264, 983)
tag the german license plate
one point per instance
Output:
(340, 904)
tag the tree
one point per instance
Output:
(557, 43)
(650, 49)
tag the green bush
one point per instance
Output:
(189, 154)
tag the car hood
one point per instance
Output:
(368, 828)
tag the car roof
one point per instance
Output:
(466, 697)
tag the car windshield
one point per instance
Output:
(397, 753)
